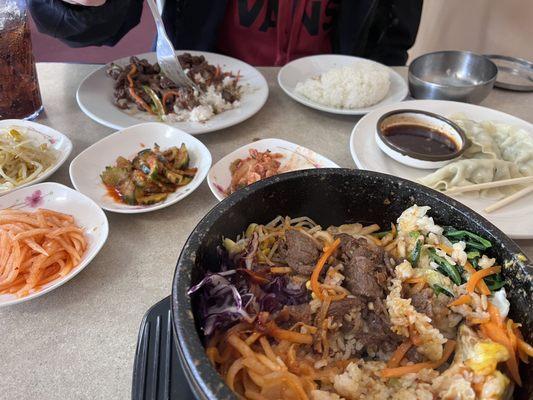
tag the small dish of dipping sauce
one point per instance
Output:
(420, 139)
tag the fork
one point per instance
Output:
(166, 56)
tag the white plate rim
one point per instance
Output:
(357, 111)
(153, 207)
(199, 131)
(426, 105)
(47, 131)
(102, 238)
(232, 154)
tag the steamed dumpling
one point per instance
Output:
(482, 142)
(516, 145)
(497, 151)
(471, 171)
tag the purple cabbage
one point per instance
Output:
(222, 302)
(227, 297)
(285, 292)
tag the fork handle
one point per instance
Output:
(155, 13)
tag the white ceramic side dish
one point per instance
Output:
(86, 168)
(95, 96)
(54, 139)
(295, 157)
(63, 199)
(367, 155)
(308, 67)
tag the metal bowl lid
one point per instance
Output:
(513, 73)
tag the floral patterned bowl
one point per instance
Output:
(45, 134)
(87, 215)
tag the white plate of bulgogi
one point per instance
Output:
(132, 90)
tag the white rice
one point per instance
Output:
(359, 85)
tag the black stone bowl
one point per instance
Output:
(330, 197)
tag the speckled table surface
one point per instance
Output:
(78, 342)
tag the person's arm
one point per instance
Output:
(96, 23)
(393, 31)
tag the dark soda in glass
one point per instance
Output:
(19, 88)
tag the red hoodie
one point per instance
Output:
(274, 32)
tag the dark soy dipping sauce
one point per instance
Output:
(420, 139)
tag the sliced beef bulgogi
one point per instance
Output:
(364, 267)
(366, 276)
(436, 308)
(299, 251)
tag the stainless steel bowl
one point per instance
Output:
(452, 75)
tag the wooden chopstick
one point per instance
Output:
(503, 202)
(490, 185)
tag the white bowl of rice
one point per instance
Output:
(341, 84)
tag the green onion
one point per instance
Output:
(157, 107)
(493, 287)
(415, 254)
(381, 235)
(471, 239)
(473, 254)
(445, 267)
(414, 234)
(494, 282)
(440, 289)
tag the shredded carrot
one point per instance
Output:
(497, 334)
(478, 387)
(414, 368)
(328, 251)
(140, 101)
(283, 334)
(217, 71)
(393, 230)
(414, 336)
(481, 285)
(495, 314)
(447, 249)
(280, 270)
(520, 339)
(478, 321)
(336, 297)
(132, 72)
(464, 299)
(511, 334)
(168, 94)
(525, 347)
(479, 275)
(399, 354)
(418, 287)
(415, 279)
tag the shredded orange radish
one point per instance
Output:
(290, 336)
(479, 275)
(464, 299)
(328, 251)
(399, 354)
(414, 368)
